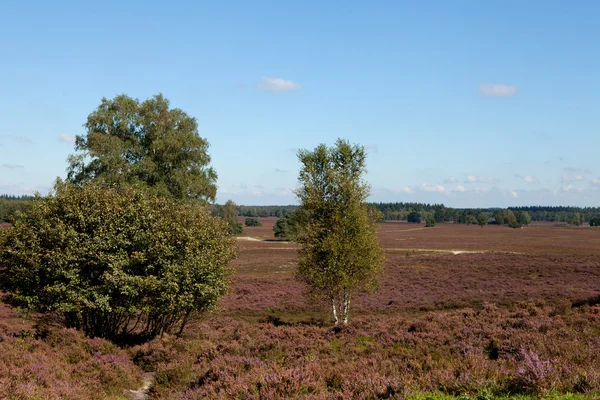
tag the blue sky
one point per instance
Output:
(470, 104)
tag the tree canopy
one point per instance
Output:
(131, 142)
(339, 252)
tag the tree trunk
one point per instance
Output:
(335, 317)
(346, 306)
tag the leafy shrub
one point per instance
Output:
(115, 262)
(286, 227)
(429, 221)
(414, 218)
(514, 224)
(252, 222)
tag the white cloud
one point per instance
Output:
(460, 188)
(277, 85)
(571, 178)
(432, 188)
(527, 178)
(63, 137)
(567, 188)
(497, 90)
(12, 166)
(481, 179)
(450, 180)
(406, 189)
(514, 194)
(595, 181)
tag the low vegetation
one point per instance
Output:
(252, 222)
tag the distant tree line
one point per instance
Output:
(265, 211)
(400, 211)
(440, 213)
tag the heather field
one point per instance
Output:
(462, 312)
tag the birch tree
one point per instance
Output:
(339, 252)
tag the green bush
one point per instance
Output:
(413, 217)
(514, 224)
(252, 222)
(286, 227)
(115, 262)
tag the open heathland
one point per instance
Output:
(462, 312)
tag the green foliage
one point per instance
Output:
(229, 214)
(115, 261)
(482, 219)
(413, 217)
(129, 142)
(286, 227)
(577, 219)
(523, 217)
(508, 217)
(513, 223)
(266, 211)
(595, 221)
(430, 221)
(376, 215)
(339, 251)
(10, 206)
(252, 222)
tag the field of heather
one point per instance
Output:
(462, 312)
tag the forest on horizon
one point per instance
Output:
(398, 211)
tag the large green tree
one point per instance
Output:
(148, 142)
(339, 252)
(115, 261)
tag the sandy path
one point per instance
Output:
(142, 392)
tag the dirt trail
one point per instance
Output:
(251, 239)
(455, 252)
(142, 392)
